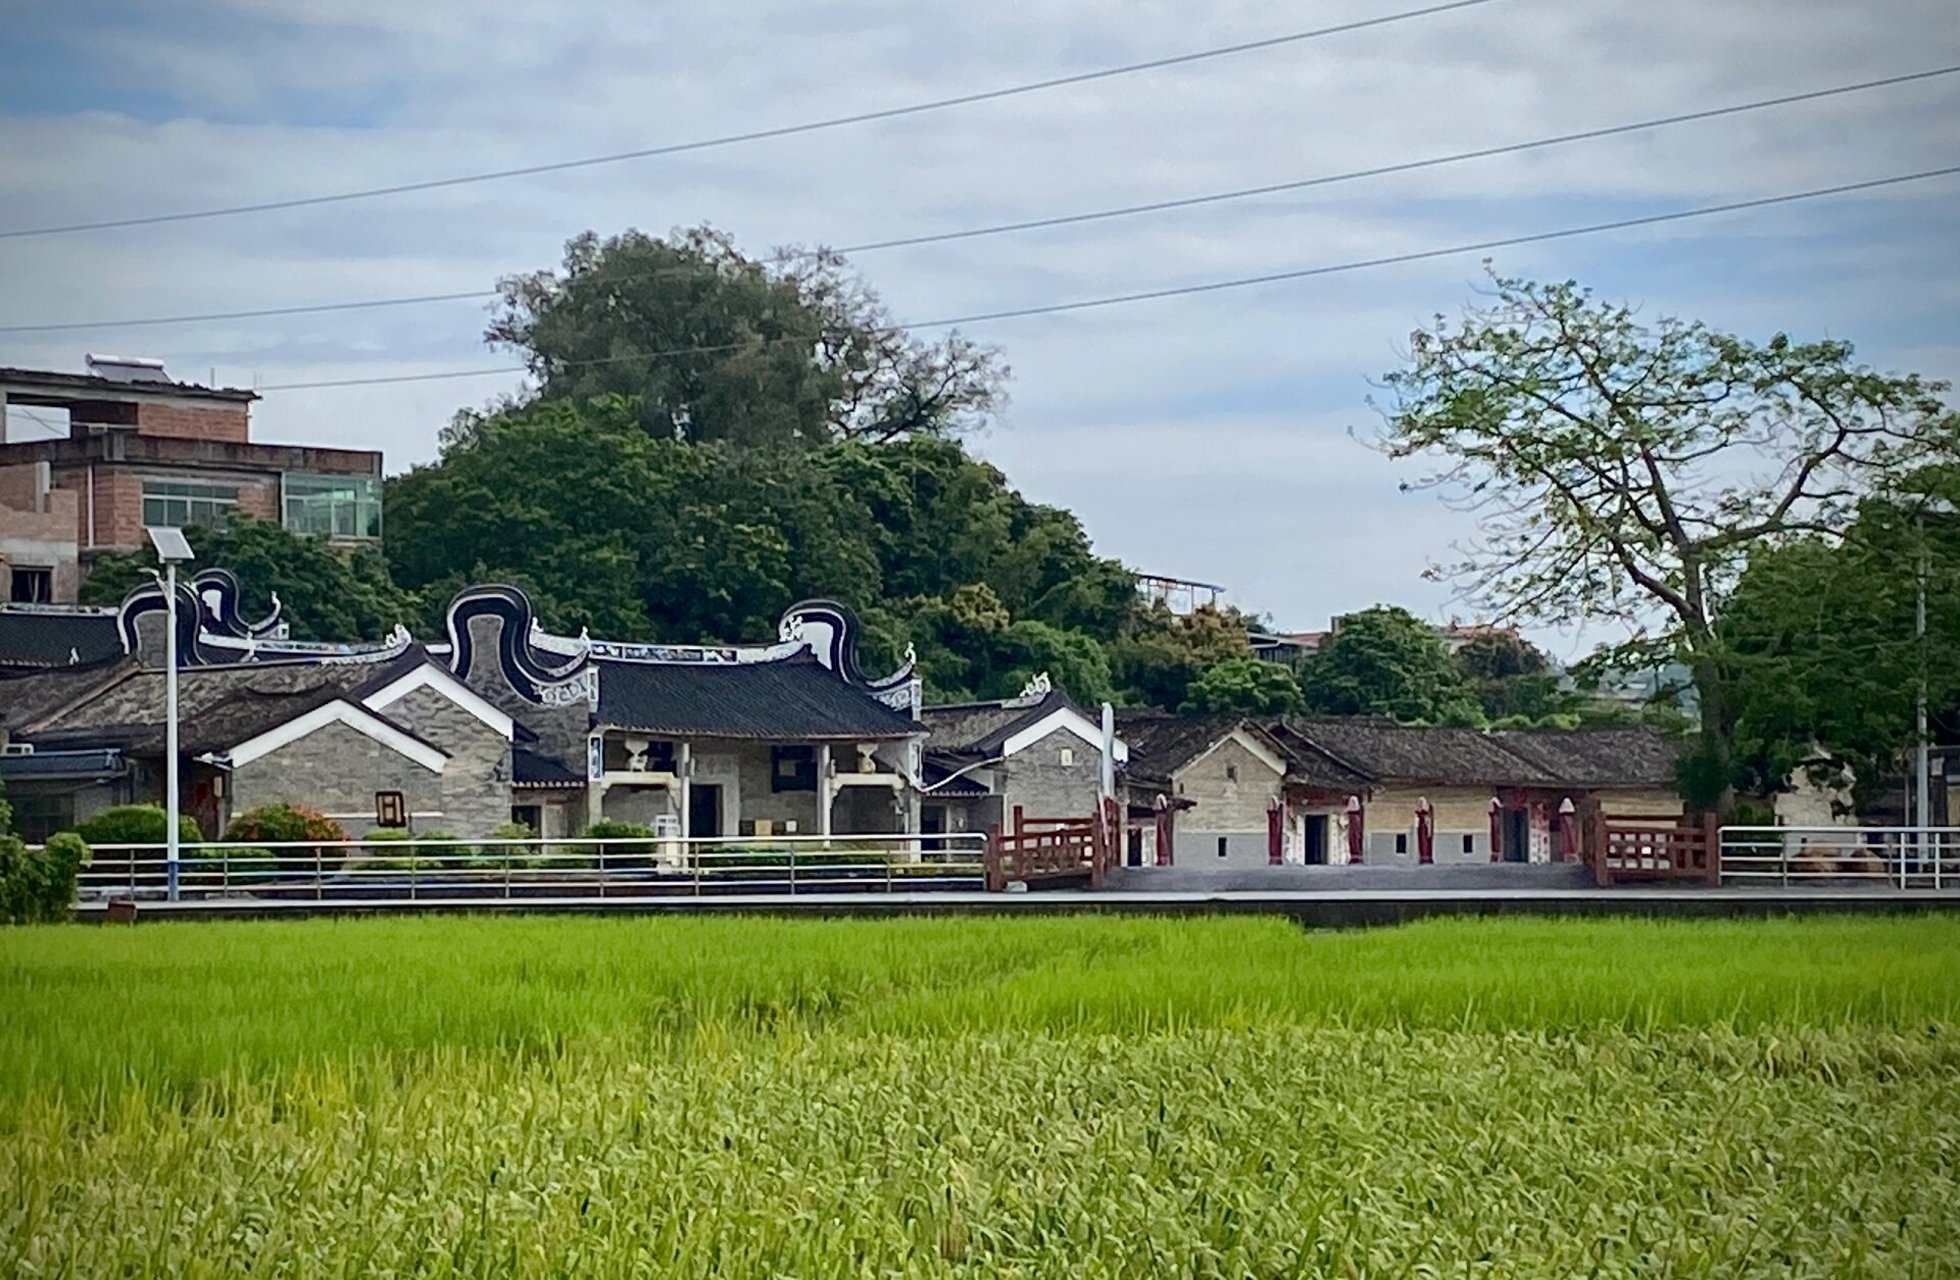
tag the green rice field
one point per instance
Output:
(1107, 1097)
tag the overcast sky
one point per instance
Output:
(1204, 437)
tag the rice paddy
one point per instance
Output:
(1058, 1097)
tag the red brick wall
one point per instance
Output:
(261, 500)
(213, 422)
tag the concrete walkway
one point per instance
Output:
(1464, 878)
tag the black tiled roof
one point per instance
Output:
(979, 729)
(94, 763)
(1162, 743)
(32, 640)
(797, 698)
(529, 769)
(1630, 757)
(940, 765)
(1389, 752)
(218, 707)
(1308, 766)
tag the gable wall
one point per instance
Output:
(1234, 811)
(475, 785)
(1036, 779)
(337, 770)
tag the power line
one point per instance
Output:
(1032, 224)
(1175, 291)
(757, 135)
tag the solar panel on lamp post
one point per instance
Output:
(172, 549)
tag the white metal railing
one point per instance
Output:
(1904, 857)
(564, 868)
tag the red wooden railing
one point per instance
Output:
(1047, 850)
(1631, 849)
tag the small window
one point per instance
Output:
(792, 768)
(1068, 756)
(172, 504)
(31, 586)
(1221, 846)
(1469, 844)
(1401, 842)
(1231, 773)
(333, 506)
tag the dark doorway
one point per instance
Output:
(1134, 851)
(704, 810)
(1517, 835)
(1317, 840)
(932, 822)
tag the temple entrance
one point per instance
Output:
(704, 810)
(1517, 835)
(1316, 837)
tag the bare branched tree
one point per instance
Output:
(1623, 470)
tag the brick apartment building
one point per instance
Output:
(141, 449)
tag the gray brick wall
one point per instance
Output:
(1045, 787)
(475, 788)
(561, 730)
(759, 801)
(1231, 787)
(336, 770)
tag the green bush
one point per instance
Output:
(283, 823)
(425, 851)
(38, 885)
(637, 854)
(137, 824)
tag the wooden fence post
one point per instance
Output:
(996, 880)
(1711, 838)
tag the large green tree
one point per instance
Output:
(1244, 686)
(1512, 679)
(1386, 661)
(715, 346)
(1157, 655)
(628, 535)
(1626, 469)
(328, 591)
(1822, 643)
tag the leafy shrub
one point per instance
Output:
(274, 823)
(39, 884)
(637, 854)
(424, 851)
(495, 856)
(137, 824)
(283, 823)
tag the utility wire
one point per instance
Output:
(1003, 228)
(1213, 286)
(756, 135)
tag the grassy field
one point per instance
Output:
(1090, 1097)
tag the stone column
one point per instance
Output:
(826, 790)
(684, 765)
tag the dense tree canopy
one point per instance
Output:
(1624, 469)
(632, 536)
(1386, 661)
(1245, 686)
(717, 347)
(1512, 679)
(328, 592)
(1821, 643)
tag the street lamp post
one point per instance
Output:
(1923, 810)
(172, 549)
